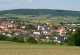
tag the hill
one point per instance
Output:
(51, 12)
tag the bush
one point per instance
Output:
(74, 38)
(31, 40)
(18, 39)
(3, 37)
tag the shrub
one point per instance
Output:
(74, 38)
(3, 37)
(18, 39)
(31, 40)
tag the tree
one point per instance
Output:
(74, 38)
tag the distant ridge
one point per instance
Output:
(52, 12)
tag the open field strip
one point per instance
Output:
(12, 48)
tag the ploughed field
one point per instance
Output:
(13, 48)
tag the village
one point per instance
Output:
(40, 32)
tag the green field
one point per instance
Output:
(12, 48)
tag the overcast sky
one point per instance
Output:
(40, 4)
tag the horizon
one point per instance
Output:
(40, 4)
(37, 8)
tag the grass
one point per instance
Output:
(13, 48)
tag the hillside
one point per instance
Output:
(50, 12)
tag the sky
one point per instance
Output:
(40, 4)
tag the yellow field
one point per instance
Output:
(12, 48)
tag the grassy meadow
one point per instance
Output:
(13, 48)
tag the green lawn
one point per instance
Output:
(12, 48)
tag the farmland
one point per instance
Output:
(13, 48)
